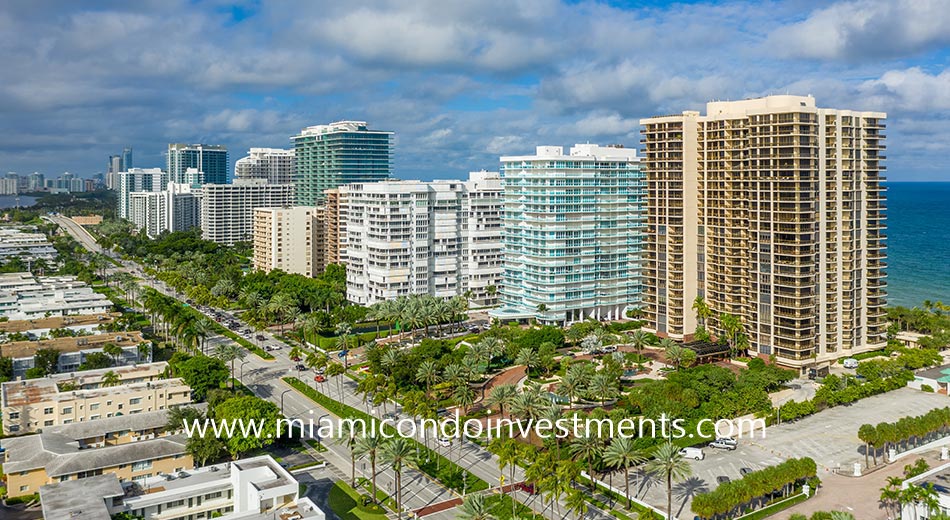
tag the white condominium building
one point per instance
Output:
(177, 208)
(482, 260)
(772, 210)
(284, 239)
(274, 164)
(227, 210)
(413, 237)
(572, 234)
(27, 297)
(25, 246)
(138, 180)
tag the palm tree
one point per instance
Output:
(509, 455)
(501, 396)
(428, 374)
(474, 507)
(528, 357)
(229, 353)
(369, 446)
(110, 378)
(589, 448)
(672, 351)
(343, 330)
(398, 453)
(669, 465)
(281, 305)
(464, 396)
(573, 383)
(602, 387)
(622, 454)
(577, 503)
(703, 311)
(639, 339)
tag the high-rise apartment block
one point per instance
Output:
(573, 227)
(330, 227)
(210, 159)
(284, 239)
(340, 153)
(227, 210)
(273, 164)
(137, 180)
(771, 210)
(177, 208)
(414, 237)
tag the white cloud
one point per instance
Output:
(866, 29)
(912, 90)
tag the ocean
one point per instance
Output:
(918, 242)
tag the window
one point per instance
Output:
(14, 415)
(48, 411)
(24, 488)
(139, 466)
(48, 422)
(67, 410)
(135, 400)
(94, 406)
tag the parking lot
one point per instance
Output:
(829, 437)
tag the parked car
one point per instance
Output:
(300, 367)
(722, 479)
(728, 440)
(851, 363)
(693, 453)
(745, 471)
(609, 349)
(719, 444)
(445, 442)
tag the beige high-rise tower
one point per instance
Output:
(772, 210)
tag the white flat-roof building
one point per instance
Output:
(177, 208)
(27, 246)
(415, 237)
(249, 489)
(272, 164)
(24, 296)
(227, 210)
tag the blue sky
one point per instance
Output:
(459, 82)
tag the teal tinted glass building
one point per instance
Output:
(573, 233)
(211, 160)
(328, 156)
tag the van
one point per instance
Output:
(851, 363)
(693, 453)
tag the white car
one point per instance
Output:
(445, 442)
(693, 453)
(851, 363)
(272, 347)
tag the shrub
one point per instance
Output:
(926, 388)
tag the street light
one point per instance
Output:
(242, 369)
(282, 399)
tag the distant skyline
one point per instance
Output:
(460, 83)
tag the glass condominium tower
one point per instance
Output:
(208, 159)
(339, 153)
(572, 234)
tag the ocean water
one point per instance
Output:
(918, 242)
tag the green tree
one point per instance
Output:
(669, 465)
(622, 453)
(474, 507)
(398, 453)
(110, 378)
(369, 446)
(95, 360)
(588, 448)
(202, 373)
(114, 351)
(249, 408)
(46, 360)
(230, 353)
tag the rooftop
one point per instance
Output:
(25, 349)
(941, 373)
(81, 499)
(119, 423)
(57, 322)
(61, 455)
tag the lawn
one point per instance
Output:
(345, 502)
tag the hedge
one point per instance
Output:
(439, 467)
(899, 433)
(753, 487)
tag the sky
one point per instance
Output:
(459, 82)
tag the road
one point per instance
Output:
(263, 377)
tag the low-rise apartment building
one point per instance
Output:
(31, 405)
(249, 489)
(73, 351)
(39, 328)
(33, 461)
(25, 246)
(24, 296)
